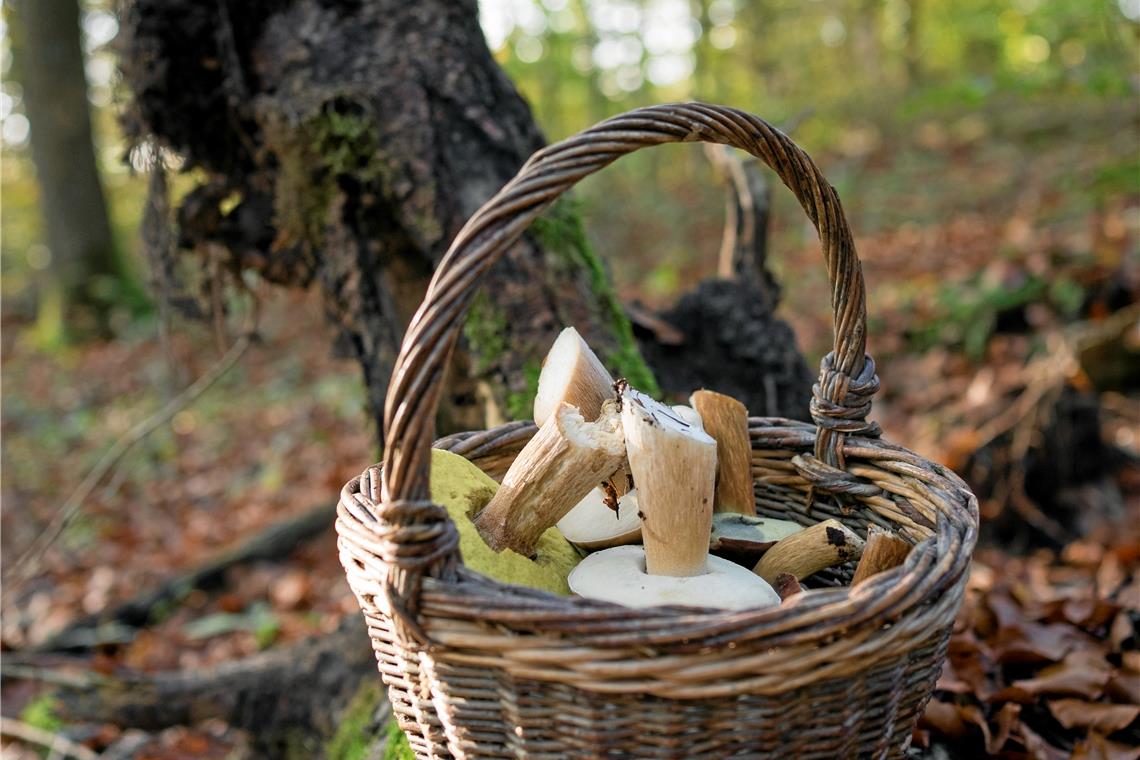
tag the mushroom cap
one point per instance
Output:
(464, 489)
(761, 530)
(618, 575)
(592, 525)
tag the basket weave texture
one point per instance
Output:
(476, 668)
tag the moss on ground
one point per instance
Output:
(396, 747)
(354, 736)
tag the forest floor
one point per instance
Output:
(988, 309)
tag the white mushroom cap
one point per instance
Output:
(618, 575)
(739, 527)
(593, 525)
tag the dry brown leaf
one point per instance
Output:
(1097, 747)
(1083, 673)
(1007, 720)
(1124, 686)
(1077, 713)
(946, 719)
(1038, 747)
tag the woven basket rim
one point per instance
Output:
(950, 547)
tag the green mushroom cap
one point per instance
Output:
(464, 489)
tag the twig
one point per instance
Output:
(57, 744)
(23, 567)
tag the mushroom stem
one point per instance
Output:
(883, 551)
(674, 467)
(571, 374)
(565, 460)
(786, 585)
(726, 420)
(811, 550)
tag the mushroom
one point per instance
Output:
(810, 550)
(674, 466)
(884, 550)
(592, 525)
(565, 460)
(744, 539)
(571, 374)
(726, 420)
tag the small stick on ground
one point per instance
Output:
(59, 746)
(883, 551)
(726, 420)
(812, 549)
(565, 460)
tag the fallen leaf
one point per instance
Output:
(945, 718)
(1083, 673)
(1096, 747)
(1077, 713)
(1037, 747)
(1006, 719)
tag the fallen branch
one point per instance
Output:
(56, 744)
(279, 696)
(118, 623)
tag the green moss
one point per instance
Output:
(561, 232)
(354, 736)
(397, 747)
(520, 405)
(484, 330)
(43, 713)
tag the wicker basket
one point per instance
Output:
(476, 668)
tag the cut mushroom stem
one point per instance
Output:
(812, 549)
(786, 585)
(571, 374)
(674, 466)
(565, 460)
(883, 551)
(726, 420)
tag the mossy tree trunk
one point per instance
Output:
(357, 138)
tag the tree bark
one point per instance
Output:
(358, 138)
(84, 269)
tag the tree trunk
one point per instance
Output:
(49, 63)
(358, 138)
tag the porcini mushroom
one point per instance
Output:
(884, 550)
(726, 420)
(744, 539)
(592, 525)
(810, 550)
(674, 467)
(571, 374)
(565, 460)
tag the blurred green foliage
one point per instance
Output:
(854, 79)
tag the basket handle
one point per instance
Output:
(847, 381)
